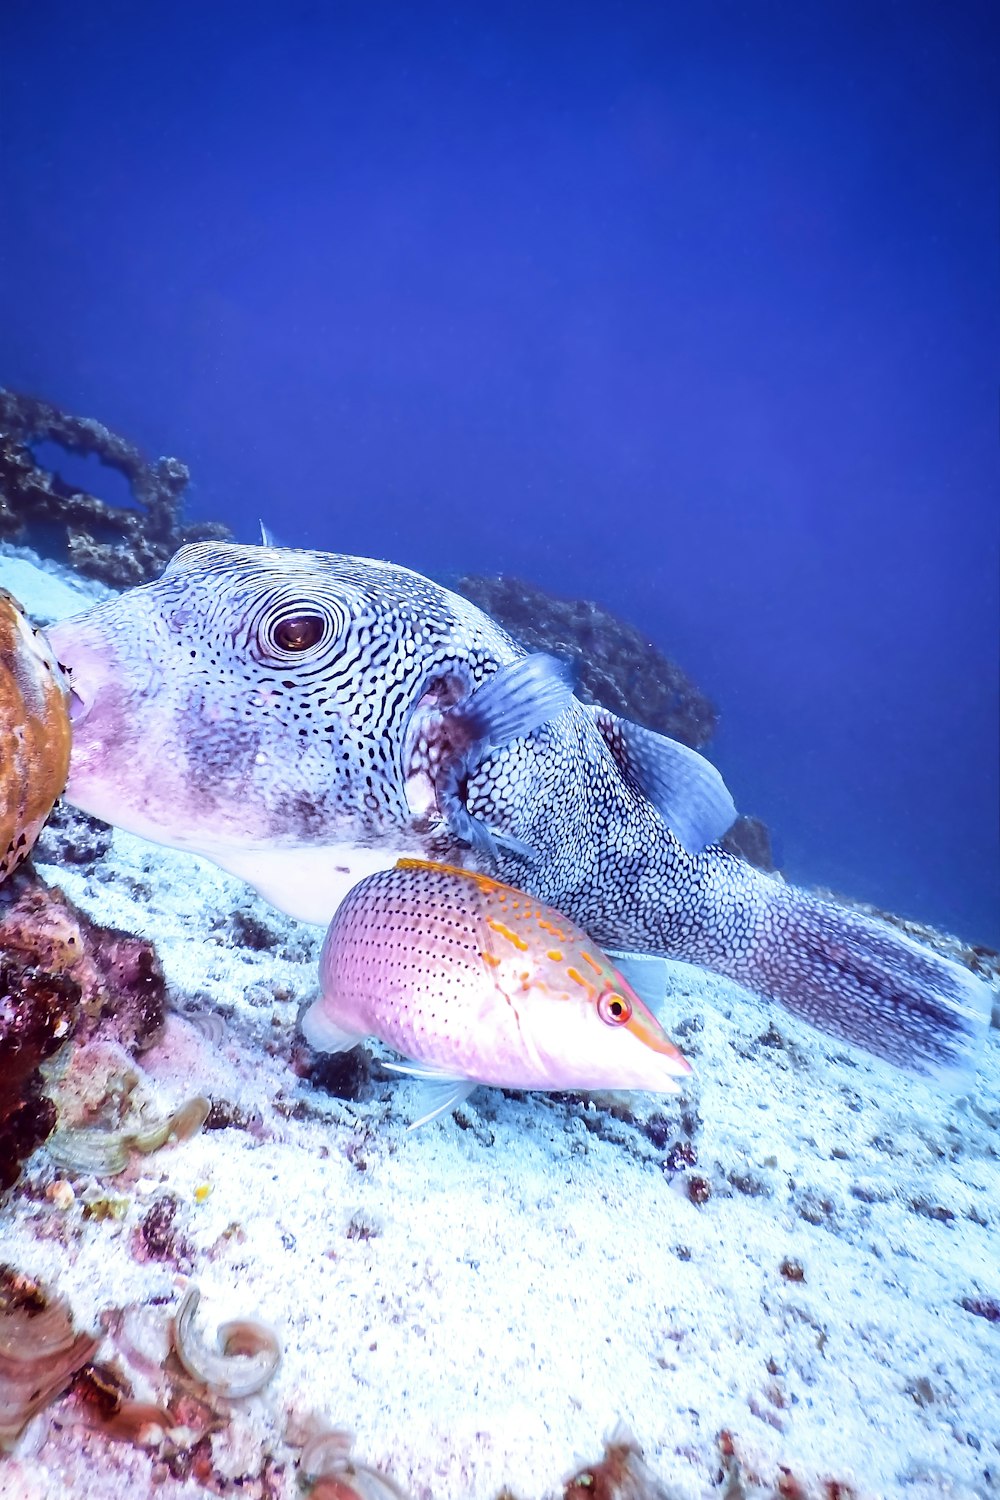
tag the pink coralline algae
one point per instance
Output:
(61, 976)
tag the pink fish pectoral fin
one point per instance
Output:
(440, 1094)
(323, 1034)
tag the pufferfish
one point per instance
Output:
(34, 733)
(476, 982)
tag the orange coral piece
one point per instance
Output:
(34, 733)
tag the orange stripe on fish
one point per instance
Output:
(508, 933)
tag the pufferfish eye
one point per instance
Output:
(613, 1008)
(298, 632)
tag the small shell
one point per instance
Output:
(185, 1122)
(101, 1152)
(105, 1153)
(326, 1459)
(248, 1352)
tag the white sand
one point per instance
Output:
(482, 1301)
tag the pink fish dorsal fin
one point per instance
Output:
(486, 883)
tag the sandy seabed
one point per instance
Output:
(482, 1300)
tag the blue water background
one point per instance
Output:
(690, 309)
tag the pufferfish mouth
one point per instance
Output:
(82, 668)
(79, 703)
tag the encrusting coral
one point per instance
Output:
(118, 545)
(62, 976)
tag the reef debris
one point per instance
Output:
(327, 1464)
(620, 1474)
(34, 733)
(40, 1351)
(245, 1361)
(121, 546)
(105, 1153)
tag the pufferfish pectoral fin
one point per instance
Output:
(513, 703)
(440, 1094)
(686, 789)
(517, 699)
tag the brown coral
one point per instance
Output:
(122, 547)
(618, 666)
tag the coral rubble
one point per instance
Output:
(619, 1475)
(121, 546)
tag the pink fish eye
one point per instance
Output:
(613, 1008)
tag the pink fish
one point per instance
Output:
(476, 982)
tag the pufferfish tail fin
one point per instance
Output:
(861, 979)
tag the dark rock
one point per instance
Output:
(61, 976)
(121, 546)
(224, 1115)
(699, 1190)
(345, 1075)
(749, 838)
(72, 837)
(157, 1236)
(658, 1130)
(681, 1156)
(250, 931)
(618, 666)
(983, 1307)
(121, 984)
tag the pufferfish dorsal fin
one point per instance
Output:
(686, 789)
